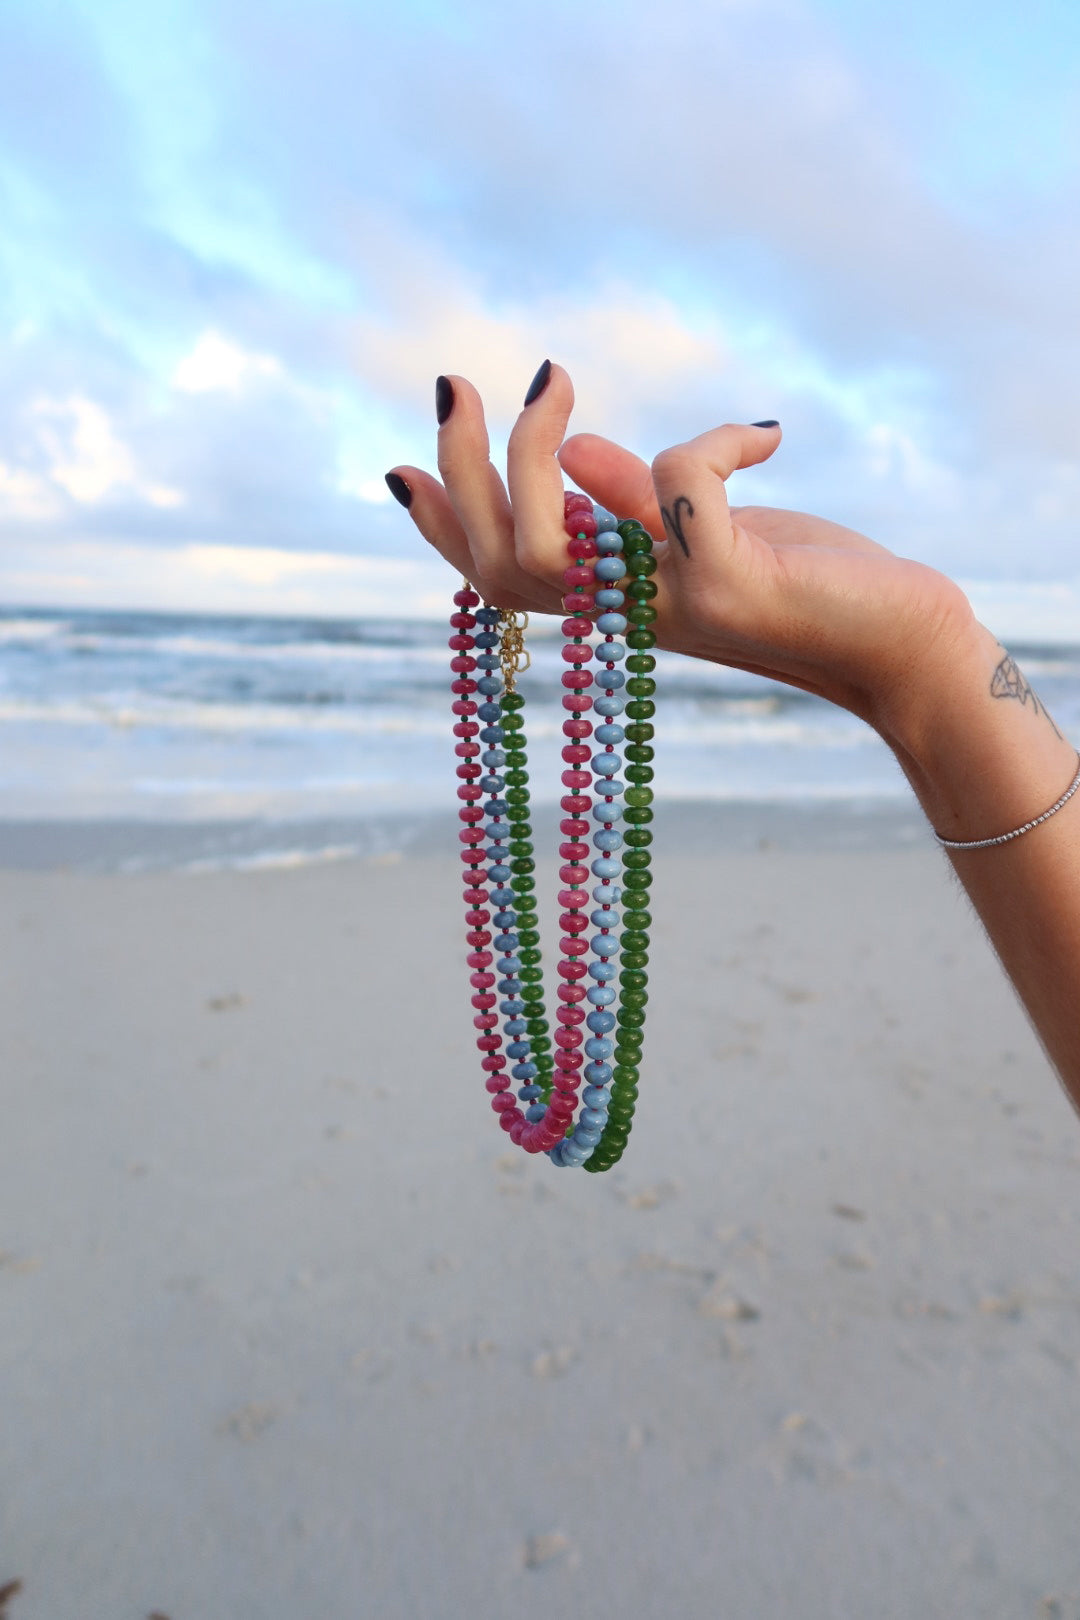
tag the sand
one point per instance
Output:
(287, 1328)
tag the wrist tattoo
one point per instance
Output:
(673, 520)
(1010, 682)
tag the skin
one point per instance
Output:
(815, 605)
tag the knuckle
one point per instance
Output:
(671, 465)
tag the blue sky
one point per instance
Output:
(240, 240)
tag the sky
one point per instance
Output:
(240, 238)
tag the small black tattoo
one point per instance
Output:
(1010, 682)
(673, 521)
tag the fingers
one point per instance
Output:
(613, 476)
(534, 475)
(429, 506)
(473, 487)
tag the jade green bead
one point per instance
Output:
(531, 976)
(637, 880)
(638, 815)
(634, 984)
(637, 838)
(639, 774)
(530, 956)
(640, 638)
(516, 759)
(516, 795)
(528, 936)
(641, 709)
(516, 776)
(513, 722)
(513, 700)
(637, 796)
(636, 902)
(632, 1020)
(639, 731)
(641, 590)
(641, 614)
(637, 860)
(635, 959)
(641, 686)
(641, 565)
(640, 663)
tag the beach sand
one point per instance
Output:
(288, 1327)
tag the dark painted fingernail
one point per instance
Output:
(764, 424)
(444, 398)
(539, 382)
(399, 489)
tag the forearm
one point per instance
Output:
(984, 757)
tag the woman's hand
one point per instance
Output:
(778, 593)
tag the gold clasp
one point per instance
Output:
(513, 655)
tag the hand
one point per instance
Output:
(778, 593)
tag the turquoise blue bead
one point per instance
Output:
(528, 1093)
(489, 711)
(517, 1026)
(608, 945)
(599, 1048)
(607, 839)
(603, 917)
(611, 624)
(606, 524)
(609, 599)
(606, 764)
(607, 812)
(500, 874)
(597, 1074)
(603, 868)
(608, 705)
(602, 971)
(609, 734)
(489, 685)
(524, 1071)
(609, 567)
(538, 1111)
(601, 995)
(607, 894)
(595, 1097)
(586, 1136)
(600, 1022)
(519, 1049)
(592, 1119)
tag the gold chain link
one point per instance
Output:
(513, 655)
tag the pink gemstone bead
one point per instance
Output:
(576, 625)
(577, 652)
(573, 850)
(489, 1043)
(482, 981)
(574, 576)
(484, 1000)
(493, 1063)
(496, 1083)
(571, 922)
(572, 993)
(484, 959)
(569, 899)
(576, 753)
(574, 803)
(581, 545)
(575, 873)
(503, 1102)
(578, 703)
(462, 686)
(466, 728)
(561, 1108)
(461, 643)
(461, 664)
(466, 598)
(572, 946)
(579, 602)
(517, 1131)
(582, 523)
(575, 827)
(462, 621)
(576, 779)
(488, 1020)
(573, 501)
(577, 678)
(571, 969)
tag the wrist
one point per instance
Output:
(976, 744)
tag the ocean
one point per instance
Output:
(278, 738)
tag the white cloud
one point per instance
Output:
(86, 457)
(218, 364)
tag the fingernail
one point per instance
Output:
(444, 398)
(764, 424)
(539, 382)
(399, 489)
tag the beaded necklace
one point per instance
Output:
(609, 562)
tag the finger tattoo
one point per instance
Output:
(673, 520)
